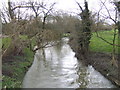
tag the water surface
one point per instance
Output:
(61, 69)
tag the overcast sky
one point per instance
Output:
(71, 6)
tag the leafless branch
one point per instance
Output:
(108, 11)
(79, 6)
(45, 46)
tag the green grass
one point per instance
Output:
(18, 67)
(0, 84)
(10, 82)
(98, 45)
(6, 42)
(66, 35)
(0, 43)
(23, 37)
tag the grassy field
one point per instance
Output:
(98, 45)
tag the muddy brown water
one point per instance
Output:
(61, 69)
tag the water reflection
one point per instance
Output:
(60, 69)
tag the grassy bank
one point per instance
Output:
(101, 57)
(15, 67)
(14, 71)
(98, 45)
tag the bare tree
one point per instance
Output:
(18, 25)
(114, 19)
(46, 12)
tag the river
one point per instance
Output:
(61, 69)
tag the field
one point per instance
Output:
(98, 45)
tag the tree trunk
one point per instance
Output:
(11, 13)
(85, 34)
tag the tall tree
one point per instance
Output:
(85, 32)
(11, 13)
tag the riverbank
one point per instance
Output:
(100, 55)
(15, 67)
(101, 62)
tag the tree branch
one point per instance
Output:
(79, 6)
(108, 12)
(45, 46)
(106, 40)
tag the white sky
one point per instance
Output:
(71, 6)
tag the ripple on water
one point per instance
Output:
(61, 69)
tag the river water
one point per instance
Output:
(61, 69)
